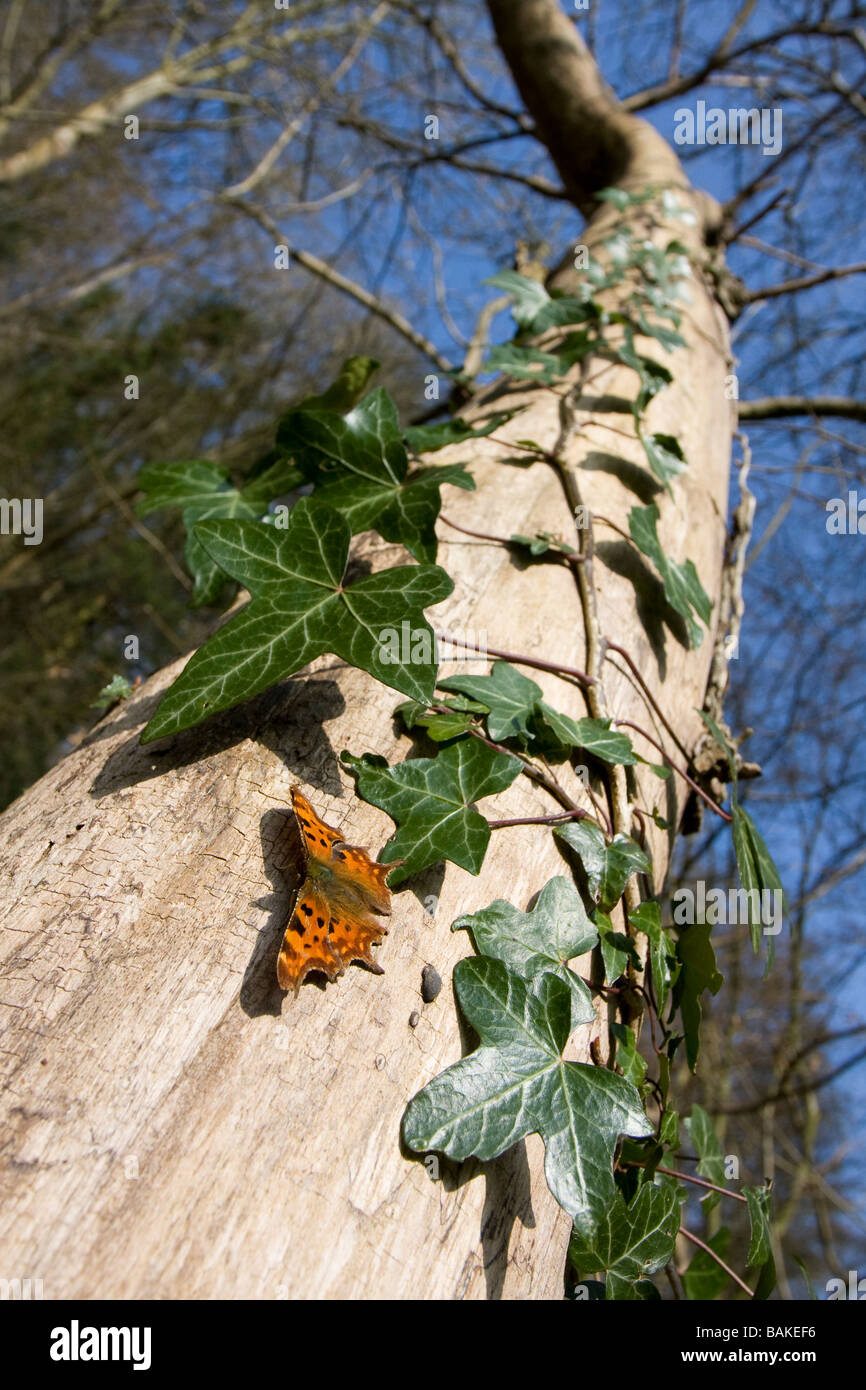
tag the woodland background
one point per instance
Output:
(154, 257)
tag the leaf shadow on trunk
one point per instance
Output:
(654, 611)
(631, 475)
(288, 719)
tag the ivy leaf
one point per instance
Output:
(533, 364)
(593, 735)
(705, 1279)
(432, 802)
(628, 1059)
(426, 439)
(617, 949)
(632, 1242)
(535, 310)
(666, 458)
(766, 1281)
(669, 1130)
(204, 490)
(117, 689)
(608, 866)
(299, 610)
(510, 697)
(668, 337)
(682, 586)
(556, 931)
(346, 389)
(450, 723)
(712, 1160)
(517, 1083)
(697, 973)
(760, 1250)
(755, 866)
(758, 874)
(359, 465)
(652, 375)
(622, 199)
(541, 542)
(646, 918)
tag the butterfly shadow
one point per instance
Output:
(283, 858)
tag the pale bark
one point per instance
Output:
(140, 1015)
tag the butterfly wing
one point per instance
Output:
(307, 942)
(332, 926)
(318, 838)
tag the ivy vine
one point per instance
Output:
(611, 1167)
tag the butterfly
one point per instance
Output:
(335, 917)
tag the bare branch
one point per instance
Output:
(782, 407)
(805, 282)
(343, 284)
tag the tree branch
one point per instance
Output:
(343, 284)
(805, 282)
(782, 407)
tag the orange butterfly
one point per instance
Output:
(332, 922)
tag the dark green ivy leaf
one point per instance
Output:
(697, 973)
(534, 309)
(711, 1163)
(533, 364)
(682, 586)
(517, 1083)
(432, 802)
(632, 1242)
(510, 697)
(759, 1200)
(593, 735)
(541, 542)
(359, 465)
(346, 389)
(628, 1059)
(426, 439)
(545, 939)
(755, 866)
(666, 458)
(705, 1279)
(204, 491)
(652, 375)
(608, 866)
(664, 966)
(617, 949)
(300, 610)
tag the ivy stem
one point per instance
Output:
(702, 1245)
(544, 779)
(687, 1177)
(538, 820)
(651, 699)
(519, 660)
(713, 805)
(506, 540)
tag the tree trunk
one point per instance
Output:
(177, 1128)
